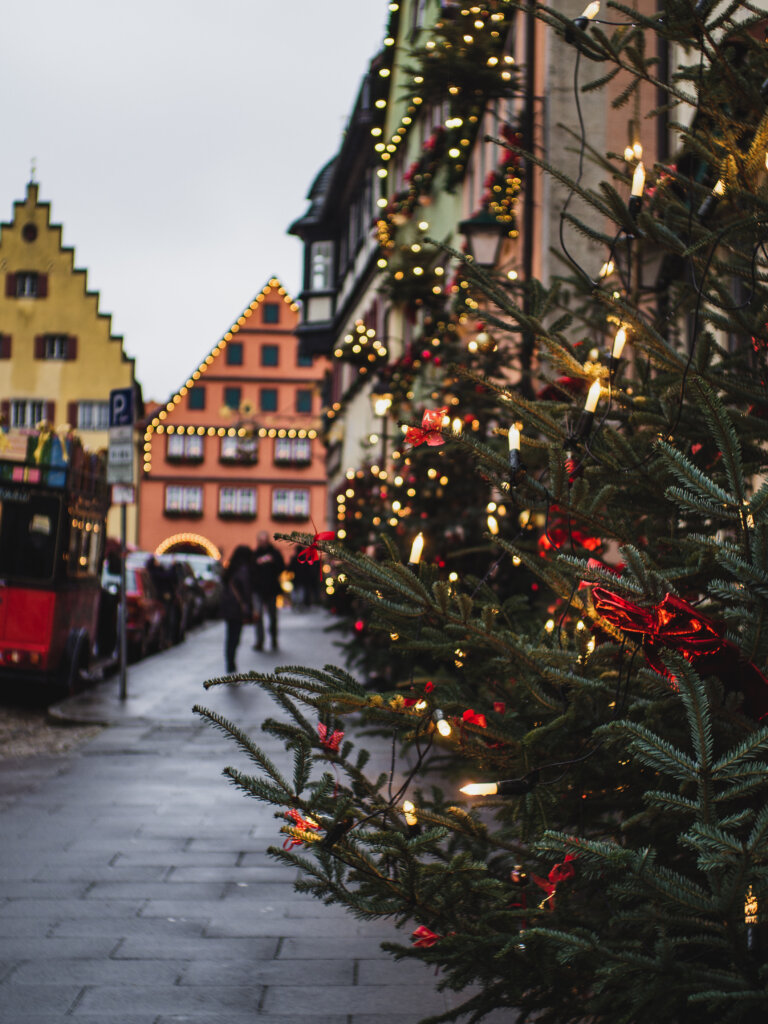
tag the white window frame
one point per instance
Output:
(291, 502)
(26, 413)
(293, 450)
(55, 346)
(92, 416)
(237, 501)
(185, 446)
(182, 498)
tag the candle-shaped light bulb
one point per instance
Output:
(714, 197)
(593, 396)
(416, 549)
(637, 150)
(442, 723)
(638, 186)
(409, 811)
(619, 341)
(638, 181)
(457, 425)
(591, 11)
(515, 465)
(480, 789)
(493, 525)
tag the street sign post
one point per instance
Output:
(120, 460)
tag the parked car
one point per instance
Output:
(145, 613)
(207, 571)
(166, 584)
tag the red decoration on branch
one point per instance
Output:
(561, 872)
(303, 823)
(470, 717)
(424, 938)
(329, 740)
(311, 554)
(676, 625)
(430, 429)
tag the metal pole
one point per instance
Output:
(123, 616)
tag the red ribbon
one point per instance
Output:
(330, 740)
(310, 554)
(471, 717)
(430, 429)
(562, 872)
(424, 938)
(303, 823)
(676, 625)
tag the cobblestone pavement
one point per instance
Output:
(134, 883)
(28, 731)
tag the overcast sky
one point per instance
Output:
(176, 141)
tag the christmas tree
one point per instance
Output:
(607, 856)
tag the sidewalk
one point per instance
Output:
(134, 886)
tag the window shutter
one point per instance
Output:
(5, 346)
(50, 411)
(39, 346)
(72, 414)
(5, 412)
(10, 286)
(71, 347)
(42, 286)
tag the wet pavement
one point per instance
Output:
(134, 882)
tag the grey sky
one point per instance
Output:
(176, 142)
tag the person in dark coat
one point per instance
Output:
(236, 600)
(267, 564)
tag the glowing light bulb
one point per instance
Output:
(456, 425)
(593, 397)
(416, 549)
(619, 342)
(409, 810)
(480, 789)
(514, 437)
(637, 150)
(442, 724)
(591, 11)
(638, 181)
(493, 525)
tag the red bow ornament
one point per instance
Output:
(676, 625)
(471, 717)
(329, 740)
(430, 429)
(424, 938)
(305, 824)
(310, 554)
(562, 872)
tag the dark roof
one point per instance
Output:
(316, 197)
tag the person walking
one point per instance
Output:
(236, 600)
(267, 564)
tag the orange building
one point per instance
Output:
(236, 450)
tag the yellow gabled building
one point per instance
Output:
(58, 356)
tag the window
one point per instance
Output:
(268, 399)
(237, 502)
(271, 312)
(239, 449)
(183, 499)
(92, 415)
(232, 397)
(27, 412)
(303, 400)
(55, 346)
(290, 503)
(85, 547)
(5, 346)
(320, 266)
(302, 359)
(26, 284)
(188, 447)
(293, 450)
(28, 535)
(270, 355)
(196, 397)
(234, 353)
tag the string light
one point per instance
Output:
(619, 341)
(507, 787)
(588, 415)
(416, 549)
(638, 186)
(441, 722)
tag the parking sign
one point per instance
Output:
(121, 407)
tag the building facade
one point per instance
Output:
(58, 356)
(235, 450)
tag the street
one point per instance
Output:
(135, 883)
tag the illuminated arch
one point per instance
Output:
(206, 546)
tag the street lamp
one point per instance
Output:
(484, 238)
(382, 403)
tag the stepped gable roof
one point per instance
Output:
(273, 285)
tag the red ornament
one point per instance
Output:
(429, 431)
(329, 740)
(424, 938)
(676, 625)
(562, 872)
(499, 707)
(472, 718)
(311, 554)
(303, 823)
